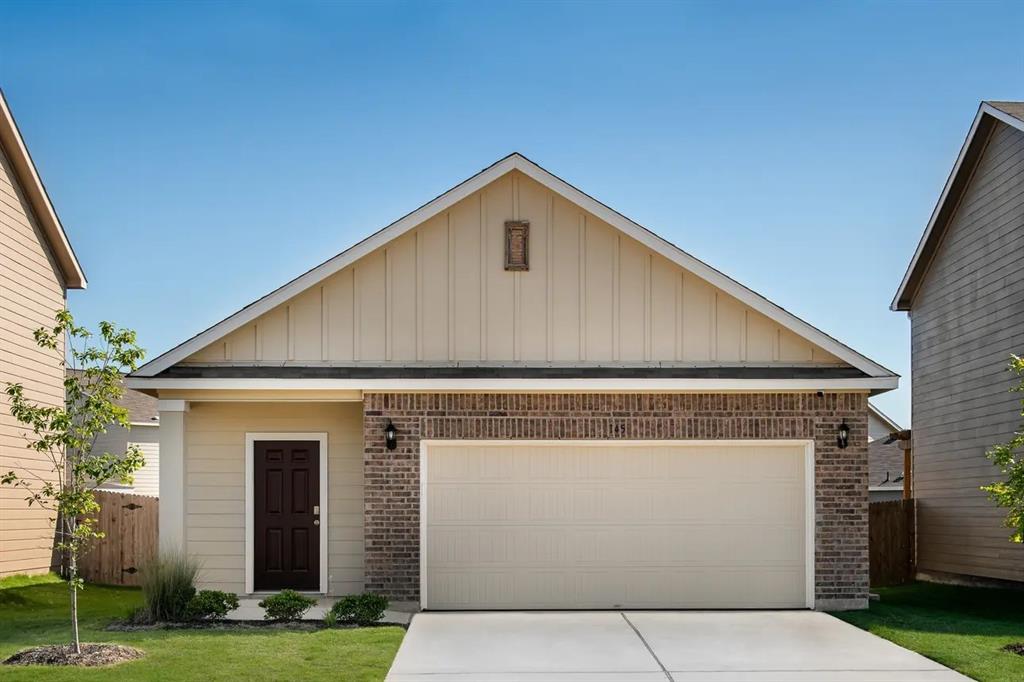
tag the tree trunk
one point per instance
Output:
(73, 584)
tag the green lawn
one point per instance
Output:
(33, 611)
(964, 628)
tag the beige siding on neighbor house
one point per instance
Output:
(215, 482)
(439, 293)
(31, 290)
(968, 317)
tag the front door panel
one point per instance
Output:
(286, 510)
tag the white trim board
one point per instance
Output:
(876, 384)
(809, 487)
(506, 165)
(250, 521)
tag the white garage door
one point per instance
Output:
(603, 525)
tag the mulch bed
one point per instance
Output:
(1017, 648)
(301, 625)
(64, 654)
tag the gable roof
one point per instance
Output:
(989, 115)
(32, 185)
(882, 417)
(515, 162)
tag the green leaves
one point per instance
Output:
(1009, 457)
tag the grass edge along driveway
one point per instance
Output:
(34, 611)
(964, 628)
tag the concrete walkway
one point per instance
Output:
(636, 646)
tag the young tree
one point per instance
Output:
(1009, 457)
(66, 436)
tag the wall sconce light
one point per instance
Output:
(843, 439)
(391, 436)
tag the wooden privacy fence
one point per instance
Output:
(891, 542)
(130, 525)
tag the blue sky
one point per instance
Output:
(202, 154)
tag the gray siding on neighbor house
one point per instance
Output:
(967, 318)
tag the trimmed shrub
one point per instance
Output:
(168, 585)
(286, 605)
(359, 609)
(211, 604)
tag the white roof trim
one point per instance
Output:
(557, 185)
(984, 110)
(882, 417)
(571, 385)
(39, 199)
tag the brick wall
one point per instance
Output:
(392, 520)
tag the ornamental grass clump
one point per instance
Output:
(168, 586)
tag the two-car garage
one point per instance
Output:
(614, 524)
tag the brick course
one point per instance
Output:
(392, 531)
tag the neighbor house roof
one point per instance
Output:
(14, 148)
(884, 418)
(517, 162)
(142, 408)
(990, 114)
(885, 465)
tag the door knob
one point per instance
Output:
(316, 522)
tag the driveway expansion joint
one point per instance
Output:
(648, 647)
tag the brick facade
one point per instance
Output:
(392, 523)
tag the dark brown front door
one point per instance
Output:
(286, 510)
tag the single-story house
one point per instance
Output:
(885, 458)
(964, 294)
(37, 267)
(143, 431)
(515, 397)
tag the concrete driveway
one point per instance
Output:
(638, 646)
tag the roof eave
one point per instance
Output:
(35, 191)
(971, 151)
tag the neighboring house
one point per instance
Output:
(964, 292)
(37, 267)
(143, 431)
(515, 397)
(885, 460)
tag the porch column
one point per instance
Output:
(172, 475)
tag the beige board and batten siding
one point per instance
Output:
(967, 318)
(215, 485)
(31, 291)
(440, 293)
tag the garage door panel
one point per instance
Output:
(613, 525)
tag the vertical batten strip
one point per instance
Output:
(289, 326)
(648, 312)
(776, 344)
(581, 255)
(549, 265)
(357, 317)
(713, 327)
(484, 274)
(517, 327)
(419, 295)
(680, 294)
(451, 287)
(616, 283)
(744, 327)
(325, 325)
(388, 308)
(258, 334)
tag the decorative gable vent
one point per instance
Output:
(517, 244)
